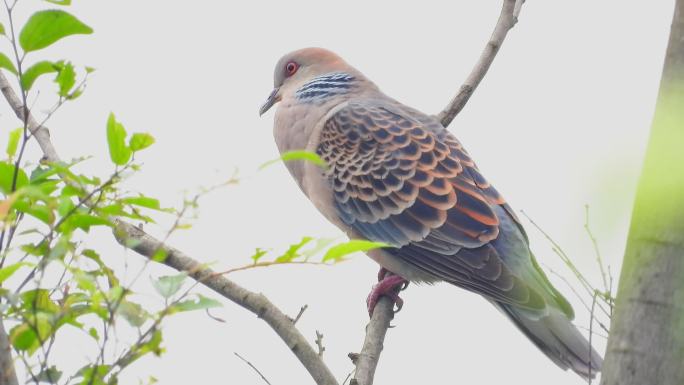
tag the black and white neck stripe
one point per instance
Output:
(324, 86)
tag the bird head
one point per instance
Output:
(300, 67)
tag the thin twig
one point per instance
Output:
(507, 19)
(319, 343)
(299, 315)
(591, 334)
(253, 367)
(594, 242)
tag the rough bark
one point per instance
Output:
(646, 344)
(7, 374)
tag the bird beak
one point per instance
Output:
(273, 98)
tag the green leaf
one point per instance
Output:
(160, 255)
(338, 252)
(140, 141)
(143, 201)
(202, 302)
(7, 175)
(133, 313)
(39, 300)
(50, 375)
(44, 28)
(23, 338)
(38, 211)
(93, 375)
(13, 141)
(7, 64)
(258, 253)
(85, 221)
(66, 79)
(2, 29)
(116, 139)
(59, 2)
(297, 155)
(35, 71)
(93, 333)
(293, 251)
(7, 272)
(169, 285)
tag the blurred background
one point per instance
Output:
(560, 122)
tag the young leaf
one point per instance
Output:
(2, 29)
(50, 375)
(59, 2)
(133, 313)
(258, 253)
(35, 71)
(7, 272)
(44, 28)
(85, 221)
(116, 139)
(7, 64)
(297, 155)
(140, 141)
(169, 285)
(338, 252)
(23, 338)
(7, 175)
(13, 141)
(143, 201)
(66, 79)
(293, 251)
(201, 303)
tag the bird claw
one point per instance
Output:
(388, 285)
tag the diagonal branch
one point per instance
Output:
(136, 239)
(507, 19)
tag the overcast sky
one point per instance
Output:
(560, 121)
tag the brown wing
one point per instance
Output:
(400, 178)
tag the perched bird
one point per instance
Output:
(396, 175)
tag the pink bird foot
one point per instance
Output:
(388, 285)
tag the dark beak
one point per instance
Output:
(273, 98)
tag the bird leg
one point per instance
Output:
(389, 284)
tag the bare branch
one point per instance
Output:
(136, 239)
(299, 315)
(41, 133)
(367, 360)
(253, 367)
(507, 19)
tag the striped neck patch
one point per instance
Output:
(325, 86)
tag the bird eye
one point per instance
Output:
(291, 68)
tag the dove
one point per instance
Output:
(395, 175)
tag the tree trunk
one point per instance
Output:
(646, 344)
(7, 374)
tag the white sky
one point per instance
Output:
(559, 122)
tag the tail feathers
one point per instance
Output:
(558, 338)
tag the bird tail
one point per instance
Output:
(556, 336)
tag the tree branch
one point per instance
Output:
(367, 361)
(507, 19)
(136, 239)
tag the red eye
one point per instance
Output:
(291, 68)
